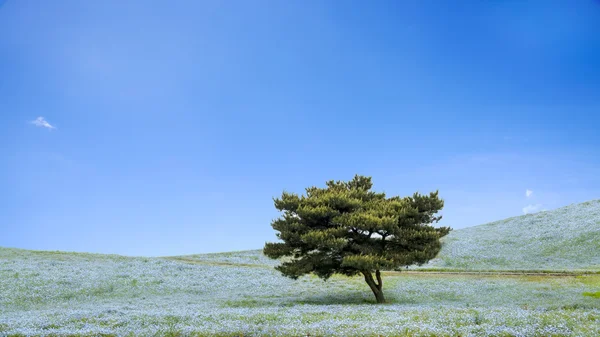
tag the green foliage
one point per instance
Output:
(592, 294)
(346, 228)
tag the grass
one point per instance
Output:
(102, 294)
(595, 294)
(240, 294)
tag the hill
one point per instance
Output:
(240, 294)
(566, 238)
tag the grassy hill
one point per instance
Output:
(564, 239)
(240, 294)
(567, 238)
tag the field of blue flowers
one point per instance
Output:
(564, 239)
(72, 294)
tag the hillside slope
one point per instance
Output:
(567, 238)
(564, 239)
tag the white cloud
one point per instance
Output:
(528, 193)
(43, 123)
(531, 208)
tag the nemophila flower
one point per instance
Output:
(540, 241)
(63, 294)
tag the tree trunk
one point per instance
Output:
(376, 287)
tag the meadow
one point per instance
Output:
(240, 294)
(564, 239)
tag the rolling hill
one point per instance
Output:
(566, 238)
(240, 294)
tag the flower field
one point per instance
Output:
(564, 239)
(240, 294)
(50, 293)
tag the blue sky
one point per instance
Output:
(168, 127)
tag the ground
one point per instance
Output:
(564, 239)
(233, 294)
(534, 275)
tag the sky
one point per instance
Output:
(162, 128)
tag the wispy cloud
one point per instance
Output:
(528, 193)
(43, 123)
(531, 208)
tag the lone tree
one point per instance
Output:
(348, 229)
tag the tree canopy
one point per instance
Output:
(346, 228)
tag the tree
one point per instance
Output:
(348, 229)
